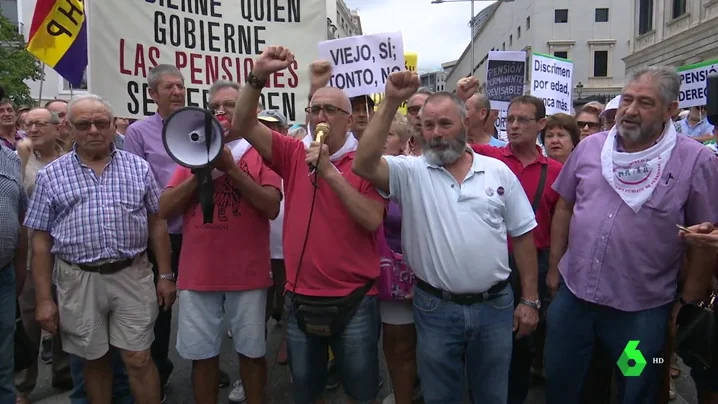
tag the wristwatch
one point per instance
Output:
(536, 304)
(255, 81)
(168, 277)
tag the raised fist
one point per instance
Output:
(466, 87)
(272, 60)
(321, 72)
(401, 85)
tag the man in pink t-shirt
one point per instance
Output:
(334, 258)
(225, 265)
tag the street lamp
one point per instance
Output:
(579, 89)
(471, 23)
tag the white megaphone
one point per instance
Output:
(193, 138)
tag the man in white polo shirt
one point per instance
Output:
(457, 208)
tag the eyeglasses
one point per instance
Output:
(226, 106)
(86, 125)
(414, 110)
(520, 119)
(327, 108)
(591, 125)
(39, 124)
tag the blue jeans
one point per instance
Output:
(575, 326)
(356, 352)
(8, 302)
(453, 339)
(121, 393)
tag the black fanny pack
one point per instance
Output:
(327, 316)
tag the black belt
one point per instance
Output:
(108, 267)
(464, 299)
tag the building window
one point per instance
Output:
(82, 88)
(561, 54)
(645, 16)
(600, 63)
(679, 8)
(560, 16)
(528, 23)
(601, 15)
(511, 40)
(503, 47)
(518, 33)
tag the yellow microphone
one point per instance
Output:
(322, 130)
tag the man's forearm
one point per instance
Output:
(265, 199)
(698, 274)
(160, 242)
(372, 142)
(174, 201)
(362, 209)
(527, 263)
(559, 236)
(41, 272)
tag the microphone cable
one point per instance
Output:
(291, 311)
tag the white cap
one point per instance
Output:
(613, 104)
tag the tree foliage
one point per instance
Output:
(16, 64)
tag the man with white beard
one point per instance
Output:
(614, 241)
(450, 197)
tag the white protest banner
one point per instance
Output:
(551, 81)
(505, 75)
(693, 83)
(362, 64)
(207, 40)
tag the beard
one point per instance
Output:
(642, 131)
(442, 152)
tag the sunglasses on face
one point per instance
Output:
(591, 125)
(86, 125)
(414, 110)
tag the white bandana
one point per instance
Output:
(350, 145)
(634, 176)
(238, 148)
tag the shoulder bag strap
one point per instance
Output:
(541, 186)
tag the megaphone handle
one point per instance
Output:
(206, 194)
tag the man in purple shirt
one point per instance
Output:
(9, 135)
(615, 253)
(144, 138)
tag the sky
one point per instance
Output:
(444, 42)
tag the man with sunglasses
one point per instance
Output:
(413, 106)
(362, 111)
(94, 212)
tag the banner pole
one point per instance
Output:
(39, 95)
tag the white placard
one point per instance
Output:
(694, 79)
(505, 76)
(362, 64)
(207, 41)
(551, 80)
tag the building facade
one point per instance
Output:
(594, 34)
(673, 32)
(434, 81)
(341, 22)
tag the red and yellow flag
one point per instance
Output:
(58, 37)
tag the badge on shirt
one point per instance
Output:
(500, 191)
(490, 191)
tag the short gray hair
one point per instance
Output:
(54, 118)
(423, 90)
(88, 97)
(156, 73)
(666, 77)
(222, 84)
(458, 102)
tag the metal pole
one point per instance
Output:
(471, 23)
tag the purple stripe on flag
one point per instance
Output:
(73, 63)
